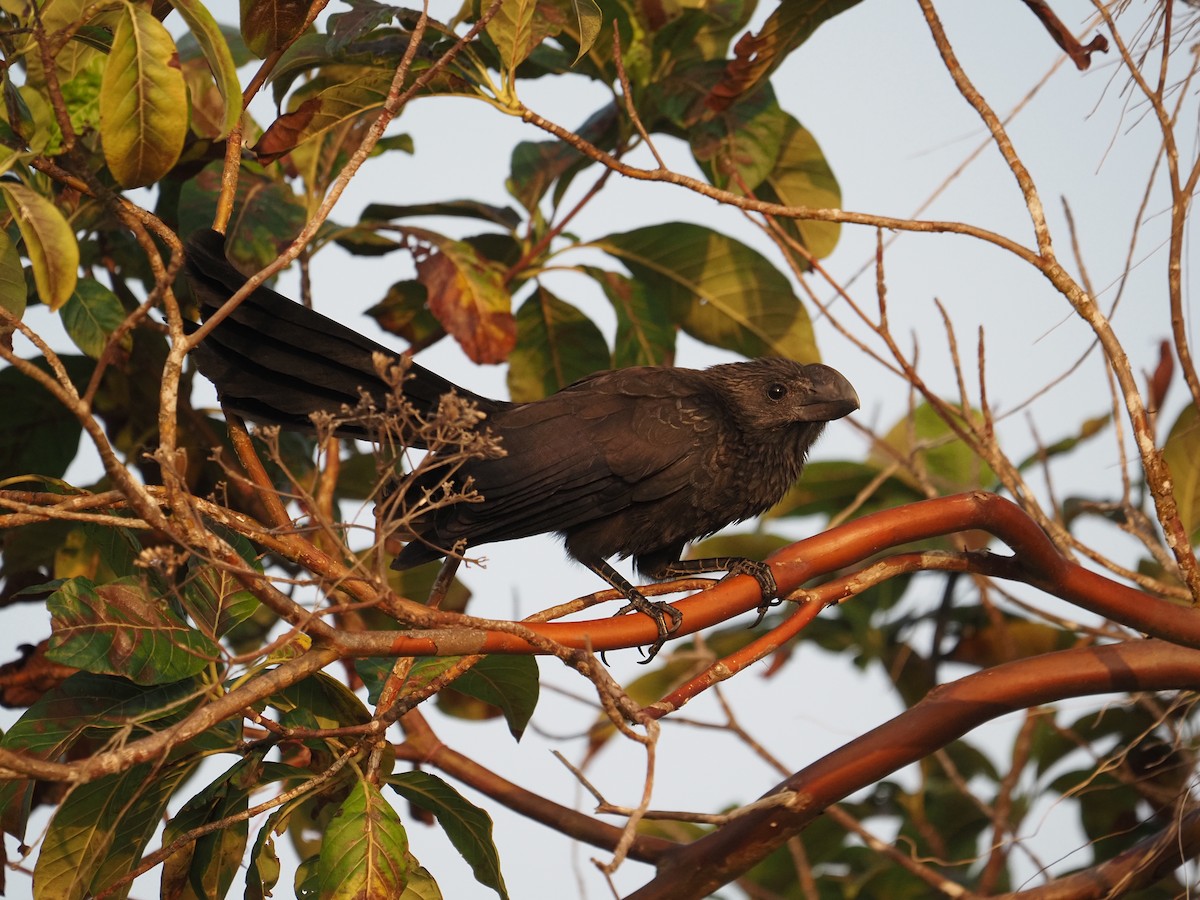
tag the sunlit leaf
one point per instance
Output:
(1182, 455)
(924, 441)
(214, 598)
(13, 294)
(98, 553)
(468, 296)
(467, 826)
(203, 28)
(403, 311)
(801, 176)
(101, 829)
(556, 345)
(519, 26)
(364, 847)
(829, 487)
(143, 100)
(588, 21)
(738, 147)
(49, 243)
(84, 704)
(206, 866)
(717, 289)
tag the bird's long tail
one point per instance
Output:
(276, 361)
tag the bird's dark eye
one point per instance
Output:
(776, 391)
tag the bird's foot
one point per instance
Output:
(761, 573)
(660, 612)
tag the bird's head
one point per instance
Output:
(773, 393)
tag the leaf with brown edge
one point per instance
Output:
(118, 629)
(49, 243)
(143, 100)
(756, 56)
(468, 296)
(316, 115)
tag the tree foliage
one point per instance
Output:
(190, 596)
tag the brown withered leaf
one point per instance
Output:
(23, 681)
(468, 296)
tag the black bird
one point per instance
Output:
(633, 462)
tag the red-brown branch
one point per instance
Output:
(947, 712)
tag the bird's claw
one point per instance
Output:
(658, 611)
(761, 573)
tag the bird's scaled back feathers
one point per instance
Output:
(633, 462)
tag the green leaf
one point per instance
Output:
(40, 436)
(1182, 455)
(519, 27)
(91, 315)
(101, 829)
(143, 100)
(467, 826)
(802, 177)
(364, 850)
(49, 243)
(719, 290)
(556, 345)
(262, 873)
(320, 702)
(738, 147)
(1087, 429)
(84, 705)
(215, 599)
(505, 216)
(204, 30)
(206, 867)
(364, 17)
(645, 331)
(829, 487)
(536, 165)
(97, 552)
(267, 25)
(13, 293)
(117, 629)
(509, 683)
(269, 214)
(926, 441)
(404, 312)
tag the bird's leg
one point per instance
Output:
(658, 611)
(734, 565)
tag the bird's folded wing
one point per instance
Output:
(576, 457)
